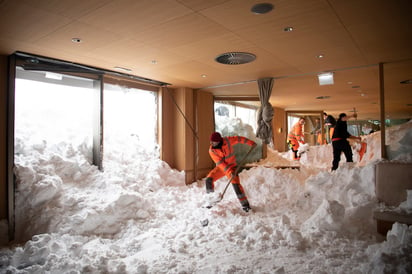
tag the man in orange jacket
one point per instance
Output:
(295, 137)
(221, 152)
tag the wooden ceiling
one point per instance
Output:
(177, 41)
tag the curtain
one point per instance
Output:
(265, 112)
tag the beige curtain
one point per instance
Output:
(265, 112)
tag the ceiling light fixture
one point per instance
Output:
(203, 75)
(325, 78)
(288, 29)
(76, 40)
(262, 8)
(320, 56)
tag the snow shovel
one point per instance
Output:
(233, 176)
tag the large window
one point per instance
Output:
(130, 122)
(52, 111)
(58, 108)
(238, 118)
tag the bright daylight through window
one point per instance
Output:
(130, 122)
(233, 118)
(48, 114)
(53, 112)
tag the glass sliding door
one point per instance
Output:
(51, 112)
(130, 123)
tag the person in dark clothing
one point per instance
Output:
(339, 141)
(330, 123)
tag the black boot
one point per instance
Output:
(209, 185)
(242, 197)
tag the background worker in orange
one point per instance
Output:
(295, 137)
(222, 153)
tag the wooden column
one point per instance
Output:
(382, 110)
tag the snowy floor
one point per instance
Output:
(139, 217)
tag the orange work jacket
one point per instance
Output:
(224, 157)
(296, 134)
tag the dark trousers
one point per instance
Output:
(339, 147)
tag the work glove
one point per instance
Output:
(231, 172)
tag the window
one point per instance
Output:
(130, 122)
(52, 111)
(234, 118)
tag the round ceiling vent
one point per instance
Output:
(262, 8)
(235, 58)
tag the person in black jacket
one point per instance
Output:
(330, 123)
(339, 141)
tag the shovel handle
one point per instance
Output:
(237, 170)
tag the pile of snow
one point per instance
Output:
(138, 216)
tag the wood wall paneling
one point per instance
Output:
(279, 129)
(3, 136)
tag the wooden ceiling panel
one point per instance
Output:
(209, 48)
(180, 31)
(72, 9)
(92, 38)
(23, 23)
(198, 5)
(381, 29)
(128, 17)
(138, 56)
(185, 37)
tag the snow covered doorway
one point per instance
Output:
(53, 139)
(52, 111)
(130, 125)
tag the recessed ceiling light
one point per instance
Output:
(355, 86)
(363, 94)
(262, 8)
(325, 78)
(322, 97)
(320, 56)
(288, 29)
(349, 83)
(203, 75)
(76, 40)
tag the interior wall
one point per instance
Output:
(180, 147)
(166, 126)
(184, 135)
(279, 129)
(205, 127)
(3, 136)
